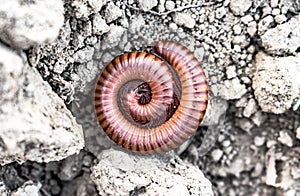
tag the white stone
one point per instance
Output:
(298, 133)
(112, 12)
(276, 82)
(216, 155)
(28, 188)
(234, 89)
(287, 39)
(184, 19)
(35, 123)
(157, 176)
(231, 72)
(170, 5)
(250, 108)
(239, 7)
(29, 23)
(147, 5)
(259, 141)
(99, 25)
(285, 138)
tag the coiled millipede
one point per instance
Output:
(152, 102)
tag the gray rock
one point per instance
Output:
(113, 37)
(250, 108)
(276, 82)
(124, 174)
(285, 138)
(287, 39)
(216, 109)
(147, 5)
(184, 19)
(28, 188)
(35, 123)
(3, 190)
(265, 23)
(239, 7)
(28, 23)
(99, 25)
(112, 12)
(298, 133)
(234, 89)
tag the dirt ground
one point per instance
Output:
(248, 143)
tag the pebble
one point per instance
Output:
(234, 89)
(231, 72)
(285, 138)
(147, 5)
(112, 12)
(264, 24)
(258, 118)
(216, 154)
(250, 108)
(184, 19)
(170, 5)
(99, 25)
(239, 7)
(298, 133)
(259, 140)
(287, 39)
(237, 29)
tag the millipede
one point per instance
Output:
(152, 102)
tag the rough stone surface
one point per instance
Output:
(239, 7)
(147, 5)
(112, 12)
(184, 19)
(3, 190)
(276, 82)
(125, 174)
(33, 119)
(234, 89)
(287, 37)
(28, 23)
(28, 188)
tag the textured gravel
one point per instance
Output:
(248, 143)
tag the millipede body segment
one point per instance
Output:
(152, 103)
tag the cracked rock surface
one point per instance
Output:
(131, 174)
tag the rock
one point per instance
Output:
(184, 19)
(28, 188)
(265, 24)
(287, 39)
(231, 72)
(70, 167)
(216, 155)
(147, 5)
(217, 108)
(3, 190)
(113, 37)
(271, 174)
(234, 89)
(112, 12)
(170, 5)
(259, 141)
(99, 25)
(35, 123)
(285, 138)
(96, 5)
(29, 23)
(136, 23)
(250, 108)
(239, 7)
(298, 133)
(126, 174)
(276, 82)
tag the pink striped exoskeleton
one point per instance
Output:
(152, 102)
